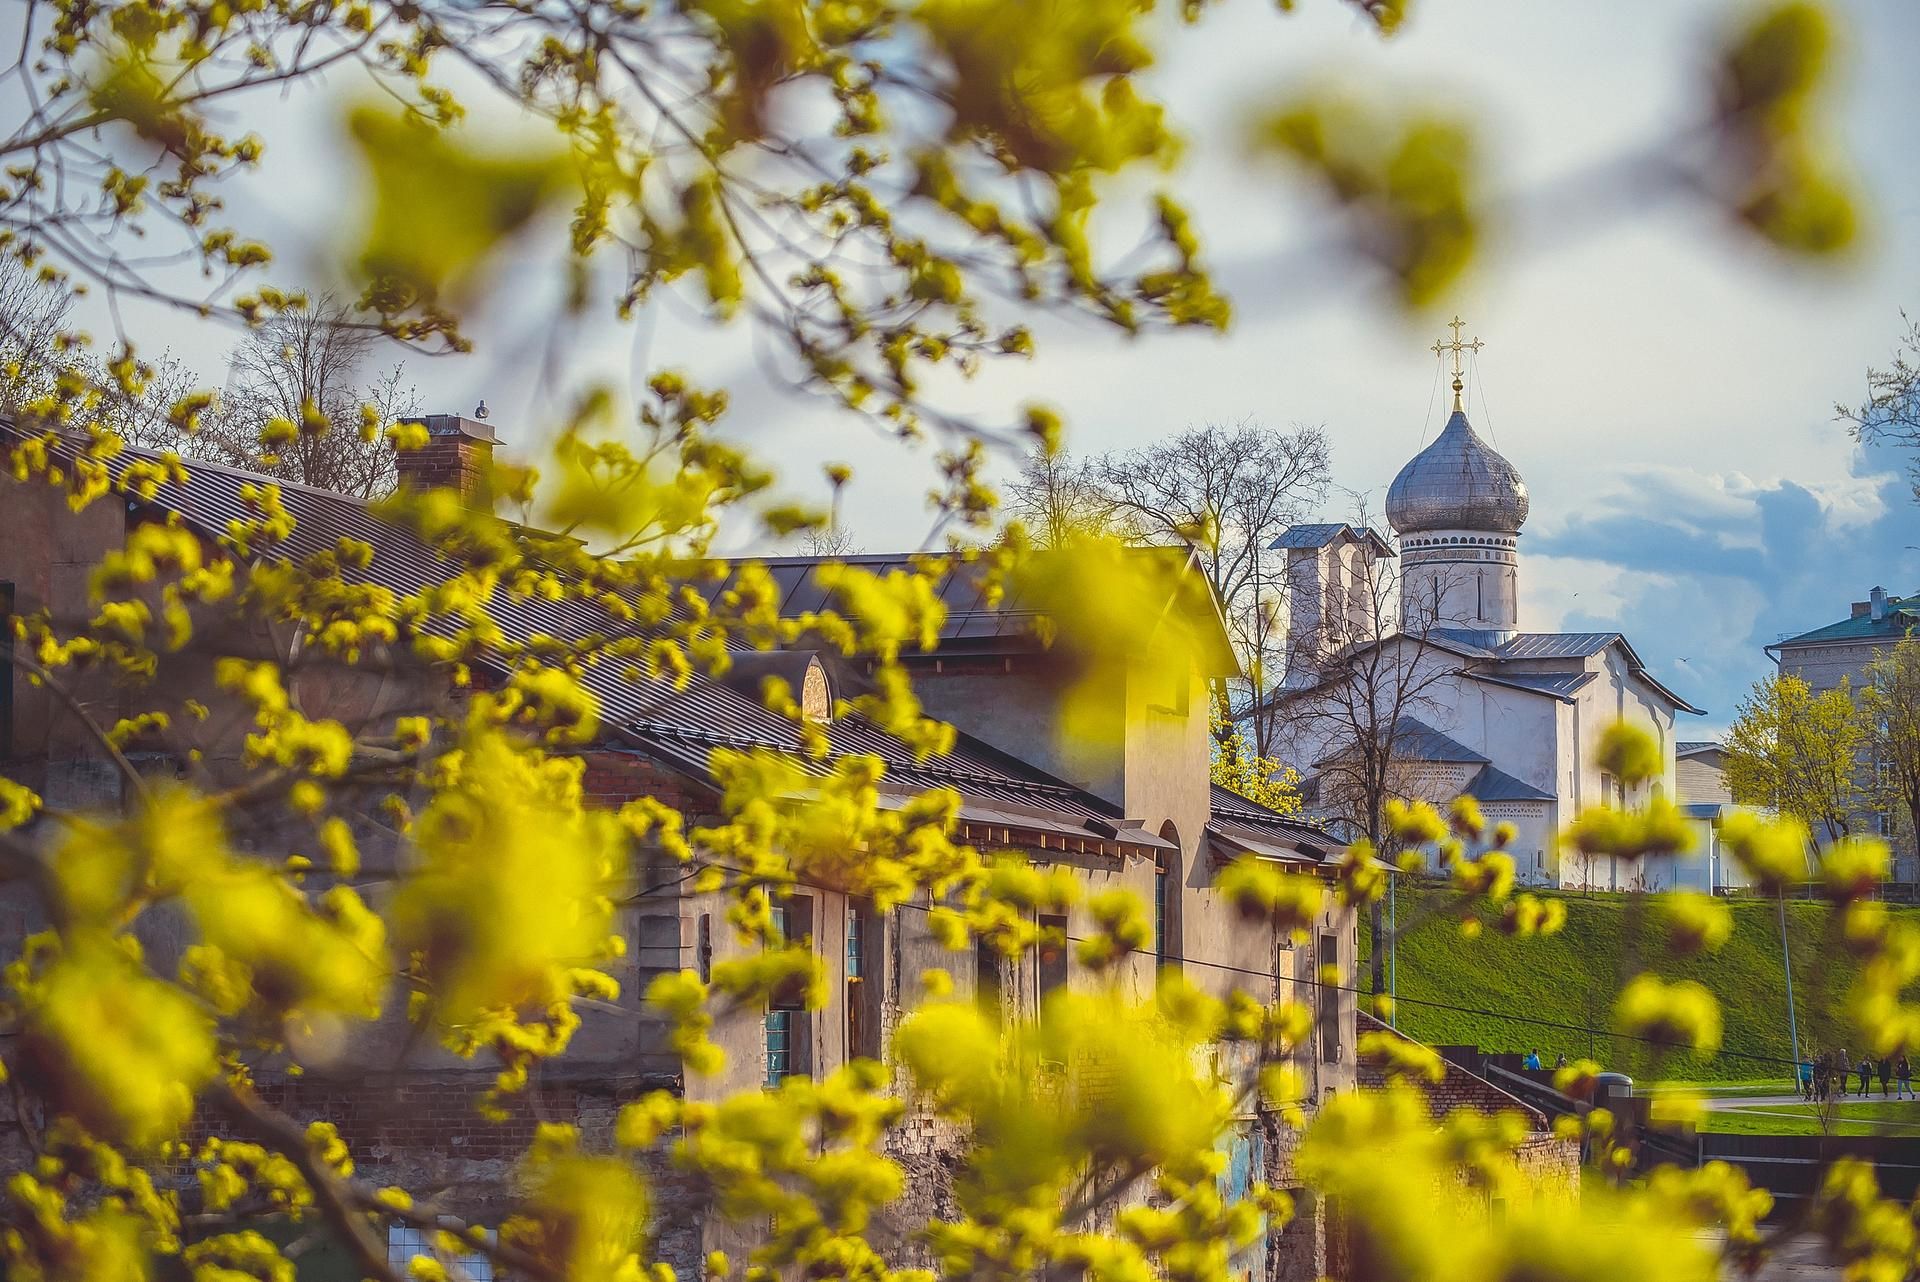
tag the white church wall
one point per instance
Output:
(1617, 696)
(1533, 834)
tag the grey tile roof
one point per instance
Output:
(1689, 747)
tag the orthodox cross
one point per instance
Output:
(1441, 347)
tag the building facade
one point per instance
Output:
(1838, 654)
(1443, 681)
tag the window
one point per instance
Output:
(788, 1024)
(986, 975)
(779, 1046)
(657, 948)
(404, 1241)
(1327, 977)
(1051, 956)
(866, 970)
(1160, 892)
(703, 948)
(856, 945)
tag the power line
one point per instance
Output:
(1316, 982)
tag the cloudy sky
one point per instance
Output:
(1665, 387)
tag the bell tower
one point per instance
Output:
(1458, 506)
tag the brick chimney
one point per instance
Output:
(457, 456)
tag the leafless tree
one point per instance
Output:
(303, 367)
(1227, 492)
(1354, 680)
(34, 313)
(1891, 413)
(1055, 496)
(835, 540)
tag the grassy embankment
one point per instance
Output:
(1571, 979)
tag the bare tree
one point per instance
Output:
(833, 540)
(1357, 681)
(1227, 492)
(295, 405)
(145, 419)
(1055, 496)
(34, 313)
(1891, 413)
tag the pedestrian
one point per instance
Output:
(1532, 1062)
(1806, 1079)
(1903, 1073)
(1885, 1068)
(1560, 1063)
(1865, 1068)
(1822, 1074)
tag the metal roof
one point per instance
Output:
(1694, 747)
(1415, 740)
(1494, 784)
(1499, 648)
(1457, 483)
(1558, 685)
(1901, 619)
(1249, 827)
(1319, 535)
(978, 616)
(1558, 645)
(680, 725)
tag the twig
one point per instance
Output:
(333, 1194)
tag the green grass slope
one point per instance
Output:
(1572, 978)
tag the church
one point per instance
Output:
(1409, 673)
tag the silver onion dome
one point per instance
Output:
(1457, 483)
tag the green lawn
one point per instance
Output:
(1571, 979)
(1866, 1117)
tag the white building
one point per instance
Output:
(1429, 668)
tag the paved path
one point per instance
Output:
(1763, 1101)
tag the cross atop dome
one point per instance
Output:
(1441, 347)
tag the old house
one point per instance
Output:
(1838, 653)
(1134, 808)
